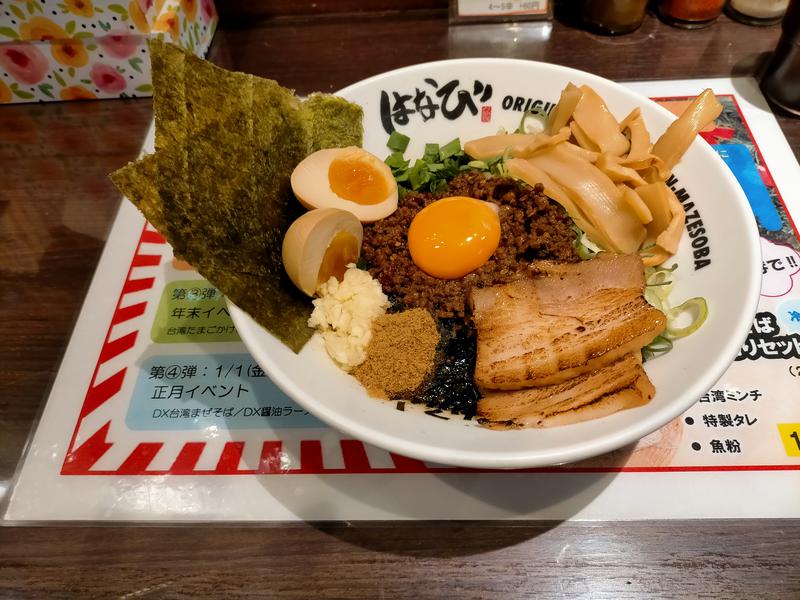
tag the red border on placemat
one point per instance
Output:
(78, 461)
(755, 145)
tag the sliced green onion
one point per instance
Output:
(658, 286)
(398, 142)
(659, 345)
(478, 164)
(585, 248)
(584, 252)
(656, 302)
(657, 274)
(525, 116)
(643, 251)
(699, 304)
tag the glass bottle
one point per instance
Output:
(757, 12)
(690, 14)
(781, 81)
(613, 17)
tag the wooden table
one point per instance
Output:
(56, 206)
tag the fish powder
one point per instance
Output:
(401, 353)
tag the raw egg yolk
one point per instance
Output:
(354, 177)
(453, 236)
(342, 251)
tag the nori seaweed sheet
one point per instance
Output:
(218, 185)
(139, 181)
(169, 105)
(332, 122)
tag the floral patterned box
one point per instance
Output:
(82, 49)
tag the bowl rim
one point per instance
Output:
(537, 458)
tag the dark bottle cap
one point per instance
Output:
(791, 22)
(781, 81)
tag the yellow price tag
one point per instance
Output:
(790, 436)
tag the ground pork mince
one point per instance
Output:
(533, 227)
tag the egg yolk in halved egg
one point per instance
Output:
(319, 245)
(356, 178)
(350, 179)
(343, 249)
(454, 236)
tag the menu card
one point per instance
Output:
(159, 413)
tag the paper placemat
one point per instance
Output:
(158, 412)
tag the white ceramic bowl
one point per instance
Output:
(730, 282)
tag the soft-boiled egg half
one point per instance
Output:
(348, 178)
(319, 245)
(454, 236)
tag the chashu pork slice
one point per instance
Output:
(575, 318)
(620, 385)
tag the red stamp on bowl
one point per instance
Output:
(486, 114)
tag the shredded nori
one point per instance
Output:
(452, 387)
(435, 412)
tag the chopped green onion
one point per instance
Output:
(478, 164)
(431, 153)
(438, 165)
(697, 304)
(396, 161)
(438, 186)
(496, 160)
(419, 174)
(450, 149)
(398, 142)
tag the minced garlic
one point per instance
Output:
(344, 312)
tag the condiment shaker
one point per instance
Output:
(781, 81)
(613, 17)
(690, 14)
(757, 12)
